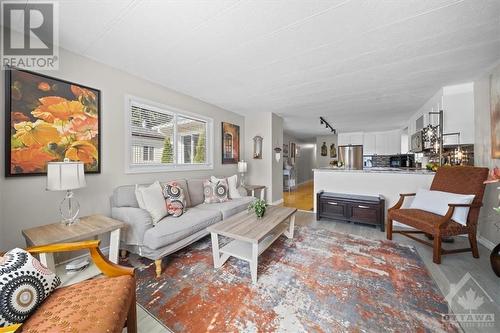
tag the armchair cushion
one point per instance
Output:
(437, 202)
(96, 305)
(24, 285)
(426, 221)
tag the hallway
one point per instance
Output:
(300, 198)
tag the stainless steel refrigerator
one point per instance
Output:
(351, 156)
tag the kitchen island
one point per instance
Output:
(388, 182)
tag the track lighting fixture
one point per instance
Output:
(327, 125)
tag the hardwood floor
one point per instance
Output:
(452, 269)
(301, 198)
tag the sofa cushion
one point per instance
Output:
(195, 187)
(182, 183)
(124, 196)
(96, 305)
(170, 230)
(24, 285)
(229, 208)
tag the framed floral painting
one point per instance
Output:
(50, 120)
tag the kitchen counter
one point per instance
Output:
(388, 182)
(379, 170)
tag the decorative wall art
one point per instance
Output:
(230, 143)
(333, 151)
(495, 113)
(285, 150)
(50, 120)
(324, 149)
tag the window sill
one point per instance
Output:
(162, 168)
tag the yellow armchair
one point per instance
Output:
(110, 270)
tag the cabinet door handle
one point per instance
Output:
(333, 203)
(364, 207)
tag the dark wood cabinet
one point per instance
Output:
(351, 208)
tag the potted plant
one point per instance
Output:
(494, 177)
(259, 207)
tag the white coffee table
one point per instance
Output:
(251, 236)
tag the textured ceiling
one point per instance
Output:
(363, 65)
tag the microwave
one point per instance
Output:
(417, 142)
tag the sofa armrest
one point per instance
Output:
(138, 221)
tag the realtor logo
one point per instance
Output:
(472, 299)
(30, 35)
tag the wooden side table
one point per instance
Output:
(253, 188)
(88, 227)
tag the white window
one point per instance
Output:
(162, 138)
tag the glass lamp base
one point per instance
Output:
(69, 209)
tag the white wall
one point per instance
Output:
(265, 171)
(324, 161)
(25, 203)
(482, 156)
(277, 166)
(305, 162)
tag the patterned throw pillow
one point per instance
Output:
(215, 191)
(24, 285)
(174, 199)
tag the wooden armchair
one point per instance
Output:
(460, 180)
(95, 305)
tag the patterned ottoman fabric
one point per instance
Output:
(24, 285)
(97, 305)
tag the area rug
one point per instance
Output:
(320, 281)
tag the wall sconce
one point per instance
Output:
(277, 153)
(257, 147)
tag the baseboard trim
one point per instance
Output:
(277, 202)
(485, 242)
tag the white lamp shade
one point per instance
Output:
(242, 166)
(63, 176)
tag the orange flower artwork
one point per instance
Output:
(39, 133)
(51, 119)
(84, 129)
(30, 159)
(54, 108)
(82, 151)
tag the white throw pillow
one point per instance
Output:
(151, 198)
(437, 202)
(232, 183)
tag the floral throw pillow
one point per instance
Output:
(215, 191)
(174, 199)
(24, 285)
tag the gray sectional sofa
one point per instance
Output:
(171, 233)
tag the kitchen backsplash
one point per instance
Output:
(381, 161)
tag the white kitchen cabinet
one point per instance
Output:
(369, 145)
(353, 138)
(343, 139)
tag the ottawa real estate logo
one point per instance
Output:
(471, 304)
(30, 35)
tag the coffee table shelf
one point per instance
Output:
(243, 250)
(250, 235)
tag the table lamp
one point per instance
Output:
(66, 176)
(242, 169)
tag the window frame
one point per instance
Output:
(170, 110)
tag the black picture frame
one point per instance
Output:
(8, 120)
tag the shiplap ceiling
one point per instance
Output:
(363, 65)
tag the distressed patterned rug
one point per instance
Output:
(320, 281)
